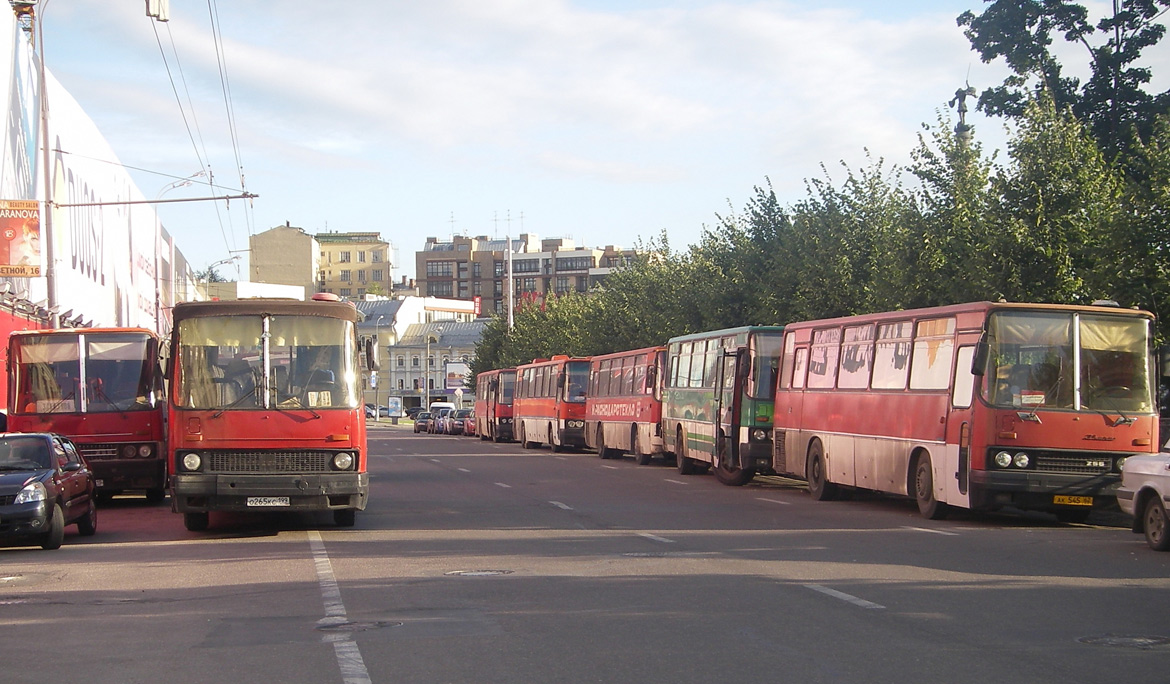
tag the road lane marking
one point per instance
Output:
(561, 506)
(463, 470)
(435, 460)
(505, 486)
(345, 649)
(775, 501)
(610, 467)
(654, 537)
(848, 598)
(676, 481)
(927, 529)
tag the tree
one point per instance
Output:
(1112, 102)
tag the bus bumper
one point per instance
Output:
(198, 492)
(573, 436)
(1040, 491)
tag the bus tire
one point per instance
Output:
(1156, 525)
(733, 477)
(524, 443)
(603, 451)
(196, 521)
(817, 476)
(557, 448)
(345, 517)
(684, 464)
(930, 507)
(642, 458)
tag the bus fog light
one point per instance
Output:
(1003, 459)
(343, 461)
(192, 461)
(144, 450)
(1020, 460)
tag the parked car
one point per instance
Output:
(422, 421)
(439, 421)
(469, 424)
(371, 411)
(413, 411)
(457, 423)
(45, 484)
(1145, 486)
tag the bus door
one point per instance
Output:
(788, 455)
(729, 391)
(959, 428)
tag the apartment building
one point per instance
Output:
(354, 264)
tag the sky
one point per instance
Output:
(610, 122)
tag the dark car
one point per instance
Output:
(438, 424)
(45, 485)
(456, 422)
(422, 421)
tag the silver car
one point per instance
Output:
(1144, 494)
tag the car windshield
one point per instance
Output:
(24, 454)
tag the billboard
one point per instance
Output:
(456, 374)
(20, 238)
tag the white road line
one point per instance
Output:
(676, 481)
(349, 658)
(561, 506)
(775, 501)
(848, 598)
(463, 470)
(927, 529)
(610, 467)
(654, 537)
(505, 486)
(435, 460)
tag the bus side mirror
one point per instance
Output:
(979, 360)
(561, 382)
(372, 361)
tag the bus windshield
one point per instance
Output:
(257, 362)
(507, 387)
(87, 373)
(1035, 361)
(766, 349)
(577, 380)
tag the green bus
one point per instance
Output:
(717, 401)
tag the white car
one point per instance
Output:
(1144, 494)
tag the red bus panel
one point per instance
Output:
(494, 392)
(623, 412)
(549, 406)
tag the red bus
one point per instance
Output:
(102, 388)
(265, 400)
(549, 406)
(623, 411)
(981, 406)
(493, 404)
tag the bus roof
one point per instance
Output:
(970, 307)
(87, 331)
(727, 331)
(258, 306)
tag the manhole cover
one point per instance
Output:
(477, 573)
(1126, 641)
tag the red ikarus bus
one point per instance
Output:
(549, 406)
(981, 406)
(623, 409)
(494, 391)
(265, 404)
(102, 388)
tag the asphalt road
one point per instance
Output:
(478, 562)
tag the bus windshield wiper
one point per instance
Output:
(286, 405)
(239, 400)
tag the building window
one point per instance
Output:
(562, 284)
(361, 257)
(376, 275)
(574, 263)
(345, 276)
(528, 285)
(343, 257)
(526, 265)
(498, 289)
(361, 276)
(376, 257)
(477, 270)
(441, 289)
(477, 288)
(414, 362)
(500, 269)
(345, 292)
(401, 361)
(401, 383)
(437, 269)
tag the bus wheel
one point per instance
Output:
(196, 521)
(557, 448)
(685, 465)
(345, 517)
(930, 507)
(1156, 525)
(602, 450)
(523, 439)
(733, 477)
(818, 480)
(642, 458)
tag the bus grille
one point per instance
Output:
(269, 462)
(99, 452)
(1083, 463)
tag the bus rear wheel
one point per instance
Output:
(602, 450)
(818, 479)
(642, 458)
(685, 465)
(930, 507)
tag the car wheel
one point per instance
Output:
(1156, 525)
(56, 534)
(87, 525)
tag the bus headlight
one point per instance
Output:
(1120, 463)
(144, 451)
(192, 461)
(1003, 459)
(343, 461)
(760, 435)
(1020, 460)
(129, 450)
(575, 423)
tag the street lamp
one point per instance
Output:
(374, 373)
(437, 334)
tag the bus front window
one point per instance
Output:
(576, 382)
(766, 352)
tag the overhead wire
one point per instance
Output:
(225, 83)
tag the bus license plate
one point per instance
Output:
(268, 501)
(1073, 500)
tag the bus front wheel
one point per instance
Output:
(345, 517)
(817, 475)
(196, 521)
(930, 507)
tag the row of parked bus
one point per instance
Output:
(979, 406)
(260, 409)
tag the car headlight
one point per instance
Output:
(192, 461)
(343, 461)
(31, 493)
(1020, 460)
(1121, 463)
(1003, 459)
(760, 435)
